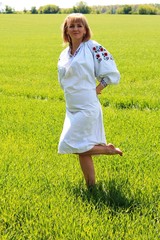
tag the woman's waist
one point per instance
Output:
(81, 99)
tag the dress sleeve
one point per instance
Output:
(106, 70)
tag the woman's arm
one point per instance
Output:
(100, 87)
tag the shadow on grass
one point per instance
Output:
(105, 194)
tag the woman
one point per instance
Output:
(80, 64)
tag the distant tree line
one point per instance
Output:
(82, 7)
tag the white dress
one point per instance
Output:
(83, 125)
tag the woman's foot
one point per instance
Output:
(111, 150)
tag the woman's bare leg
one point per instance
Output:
(87, 167)
(108, 149)
(86, 161)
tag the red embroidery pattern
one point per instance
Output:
(101, 53)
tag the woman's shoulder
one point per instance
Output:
(64, 51)
(92, 44)
(95, 47)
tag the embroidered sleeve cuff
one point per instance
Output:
(103, 82)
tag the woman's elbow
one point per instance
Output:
(115, 78)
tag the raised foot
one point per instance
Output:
(112, 150)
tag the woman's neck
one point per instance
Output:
(75, 46)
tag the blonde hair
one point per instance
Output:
(74, 18)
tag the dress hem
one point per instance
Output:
(82, 151)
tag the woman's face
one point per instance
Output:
(76, 30)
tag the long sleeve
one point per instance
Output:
(105, 67)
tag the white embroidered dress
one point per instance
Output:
(83, 124)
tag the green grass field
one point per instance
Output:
(42, 194)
